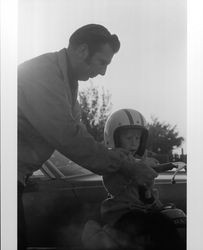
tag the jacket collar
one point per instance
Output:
(70, 83)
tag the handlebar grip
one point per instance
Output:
(163, 167)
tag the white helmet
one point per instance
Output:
(128, 118)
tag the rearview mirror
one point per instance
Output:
(180, 166)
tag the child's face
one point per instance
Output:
(130, 139)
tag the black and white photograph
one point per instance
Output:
(100, 126)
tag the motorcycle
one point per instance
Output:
(96, 236)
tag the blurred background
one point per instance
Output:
(147, 74)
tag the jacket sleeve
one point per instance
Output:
(44, 103)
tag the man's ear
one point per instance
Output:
(82, 51)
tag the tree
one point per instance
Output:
(163, 137)
(95, 108)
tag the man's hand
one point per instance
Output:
(144, 174)
(121, 152)
(140, 172)
(151, 162)
(126, 155)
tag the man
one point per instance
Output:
(49, 114)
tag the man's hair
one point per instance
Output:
(94, 35)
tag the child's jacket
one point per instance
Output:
(124, 195)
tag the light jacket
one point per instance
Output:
(49, 119)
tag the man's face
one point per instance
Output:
(130, 139)
(97, 64)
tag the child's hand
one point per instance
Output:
(152, 198)
(148, 193)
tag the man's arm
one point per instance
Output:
(45, 104)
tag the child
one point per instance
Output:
(126, 129)
(131, 213)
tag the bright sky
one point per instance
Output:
(149, 71)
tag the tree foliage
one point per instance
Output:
(95, 108)
(163, 137)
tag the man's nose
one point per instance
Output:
(103, 71)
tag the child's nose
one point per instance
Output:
(134, 141)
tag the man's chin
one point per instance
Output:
(92, 77)
(85, 78)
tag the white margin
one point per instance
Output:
(8, 124)
(195, 124)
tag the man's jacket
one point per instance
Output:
(49, 119)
